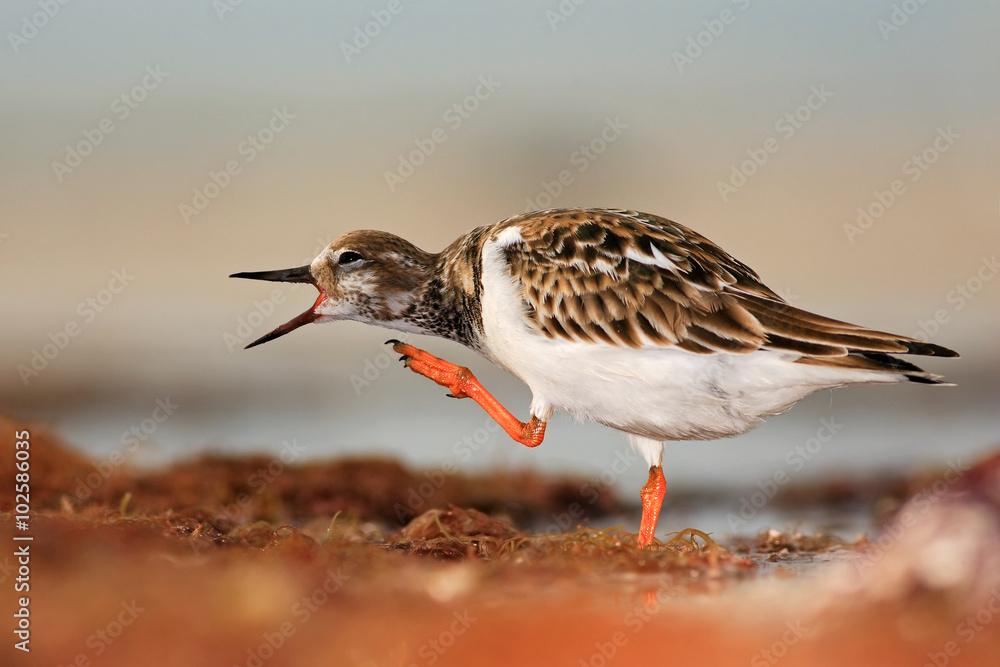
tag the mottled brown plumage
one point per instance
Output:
(632, 279)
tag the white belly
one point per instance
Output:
(661, 393)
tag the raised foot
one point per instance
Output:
(463, 384)
(445, 373)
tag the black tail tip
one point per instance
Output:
(930, 350)
(928, 378)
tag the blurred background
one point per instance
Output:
(847, 151)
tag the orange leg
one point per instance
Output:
(652, 499)
(463, 384)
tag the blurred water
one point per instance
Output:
(861, 430)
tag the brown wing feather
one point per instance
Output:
(628, 278)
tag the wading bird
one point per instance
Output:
(616, 316)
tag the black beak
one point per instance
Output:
(299, 274)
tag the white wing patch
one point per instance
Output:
(509, 237)
(658, 259)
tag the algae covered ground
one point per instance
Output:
(221, 561)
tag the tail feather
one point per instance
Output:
(835, 344)
(927, 349)
(789, 328)
(881, 362)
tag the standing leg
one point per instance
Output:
(652, 499)
(652, 494)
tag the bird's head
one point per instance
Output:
(367, 276)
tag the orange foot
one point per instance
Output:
(652, 499)
(463, 384)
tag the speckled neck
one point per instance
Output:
(449, 304)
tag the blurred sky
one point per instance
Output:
(183, 86)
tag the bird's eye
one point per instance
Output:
(349, 257)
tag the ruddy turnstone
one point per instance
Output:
(619, 317)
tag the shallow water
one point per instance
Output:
(861, 431)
